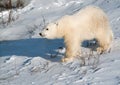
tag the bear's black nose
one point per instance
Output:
(40, 34)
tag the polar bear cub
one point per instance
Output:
(88, 23)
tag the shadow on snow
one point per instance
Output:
(33, 47)
(30, 47)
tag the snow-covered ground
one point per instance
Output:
(27, 59)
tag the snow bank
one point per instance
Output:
(36, 61)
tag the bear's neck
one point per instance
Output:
(60, 30)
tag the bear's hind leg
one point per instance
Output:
(104, 44)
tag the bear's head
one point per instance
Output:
(50, 31)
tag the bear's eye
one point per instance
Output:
(46, 28)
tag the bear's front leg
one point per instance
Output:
(72, 50)
(67, 59)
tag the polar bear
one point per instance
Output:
(88, 23)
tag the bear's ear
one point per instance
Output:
(56, 23)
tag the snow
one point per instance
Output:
(28, 59)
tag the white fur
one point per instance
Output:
(90, 22)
